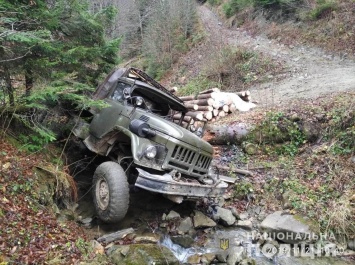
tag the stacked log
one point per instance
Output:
(244, 95)
(205, 106)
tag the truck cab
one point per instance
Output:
(147, 144)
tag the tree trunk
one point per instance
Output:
(29, 82)
(9, 88)
(223, 134)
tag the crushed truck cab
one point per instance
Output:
(146, 145)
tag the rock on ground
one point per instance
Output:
(201, 220)
(143, 254)
(185, 241)
(247, 224)
(185, 226)
(172, 215)
(224, 216)
(236, 255)
(289, 228)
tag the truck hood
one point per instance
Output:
(175, 131)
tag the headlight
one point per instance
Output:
(150, 152)
(139, 101)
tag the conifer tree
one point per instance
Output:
(51, 40)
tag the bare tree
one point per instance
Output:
(158, 28)
(168, 28)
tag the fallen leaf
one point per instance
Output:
(6, 165)
(13, 250)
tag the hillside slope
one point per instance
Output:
(310, 72)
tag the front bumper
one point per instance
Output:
(185, 189)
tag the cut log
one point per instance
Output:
(215, 112)
(246, 98)
(223, 134)
(225, 108)
(208, 115)
(221, 114)
(191, 106)
(177, 117)
(243, 93)
(204, 108)
(108, 238)
(201, 102)
(210, 90)
(187, 98)
(197, 115)
(232, 108)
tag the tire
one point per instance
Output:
(110, 192)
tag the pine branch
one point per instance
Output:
(17, 58)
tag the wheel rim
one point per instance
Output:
(102, 193)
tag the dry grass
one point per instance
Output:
(235, 69)
(341, 214)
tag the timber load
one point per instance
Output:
(212, 104)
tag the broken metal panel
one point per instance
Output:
(165, 184)
(101, 146)
(81, 128)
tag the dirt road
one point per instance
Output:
(310, 71)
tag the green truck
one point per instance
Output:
(144, 146)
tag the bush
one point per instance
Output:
(277, 3)
(266, 3)
(323, 9)
(233, 6)
(234, 68)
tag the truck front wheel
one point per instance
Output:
(111, 192)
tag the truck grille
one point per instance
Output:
(188, 161)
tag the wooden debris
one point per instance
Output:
(235, 170)
(108, 238)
